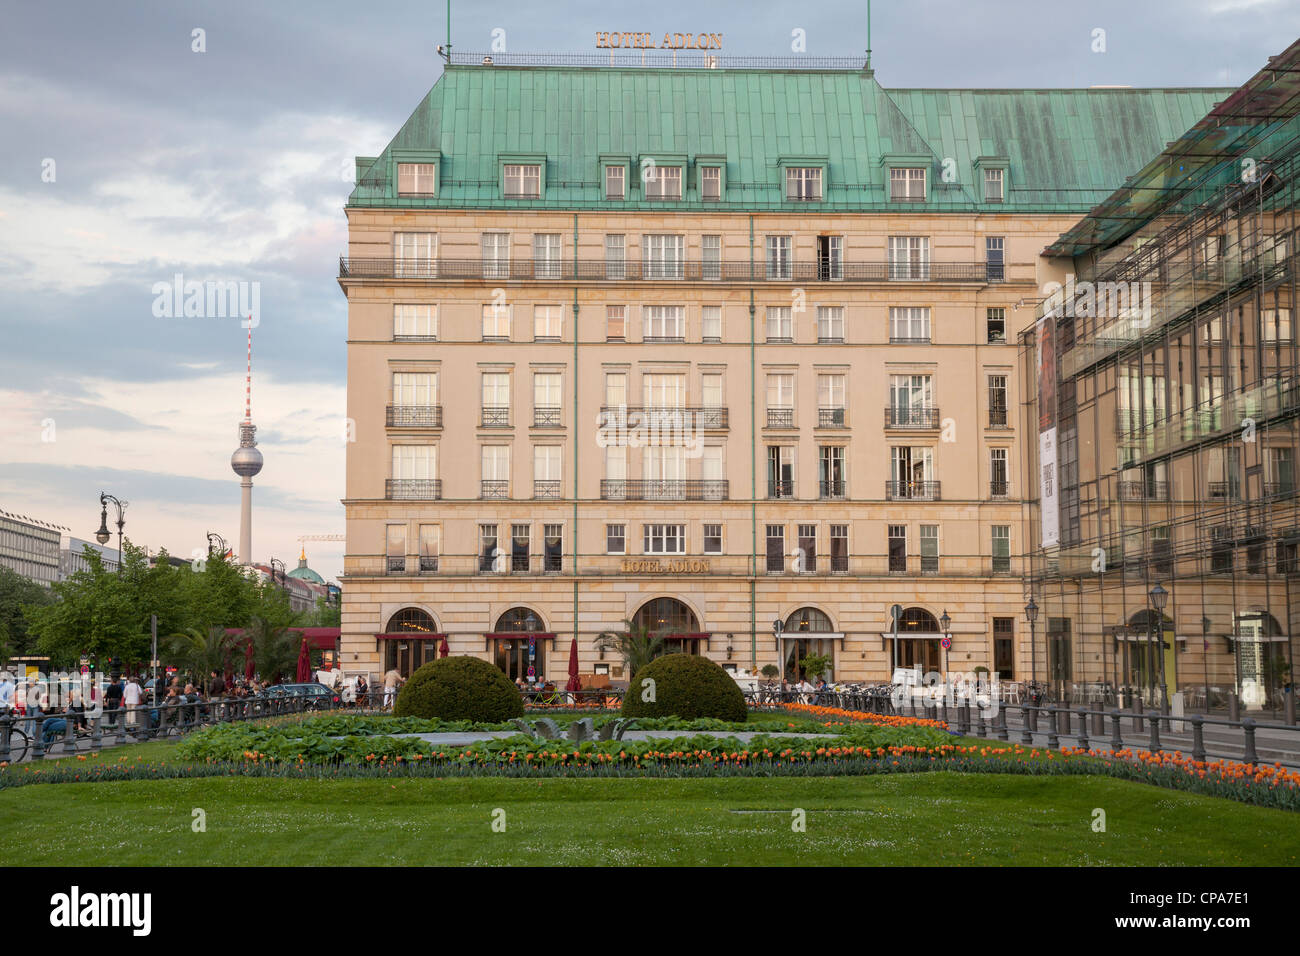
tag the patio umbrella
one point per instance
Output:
(574, 683)
(249, 669)
(304, 663)
(443, 649)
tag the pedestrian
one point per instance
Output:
(392, 681)
(363, 691)
(113, 699)
(6, 692)
(131, 700)
(216, 685)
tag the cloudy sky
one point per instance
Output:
(128, 157)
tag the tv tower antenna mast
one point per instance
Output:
(247, 460)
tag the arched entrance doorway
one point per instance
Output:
(799, 641)
(918, 641)
(672, 620)
(407, 653)
(1146, 633)
(519, 644)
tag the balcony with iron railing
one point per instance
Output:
(1143, 490)
(1278, 489)
(663, 489)
(413, 489)
(546, 488)
(665, 417)
(494, 488)
(832, 416)
(780, 487)
(547, 416)
(679, 270)
(495, 416)
(998, 417)
(831, 490)
(914, 417)
(999, 488)
(413, 416)
(780, 417)
(912, 490)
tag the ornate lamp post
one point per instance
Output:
(1206, 624)
(277, 571)
(1031, 615)
(103, 534)
(217, 544)
(777, 627)
(945, 622)
(1158, 598)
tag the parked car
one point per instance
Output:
(318, 696)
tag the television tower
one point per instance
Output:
(247, 461)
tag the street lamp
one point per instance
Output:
(217, 544)
(778, 626)
(277, 566)
(944, 623)
(1031, 615)
(103, 534)
(1158, 598)
(1206, 624)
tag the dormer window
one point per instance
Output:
(803, 183)
(615, 182)
(993, 183)
(523, 181)
(417, 179)
(662, 182)
(907, 184)
(710, 183)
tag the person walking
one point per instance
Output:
(362, 692)
(392, 681)
(113, 700)
(131, 700)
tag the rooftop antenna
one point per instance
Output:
(445, 51)
(868, 33)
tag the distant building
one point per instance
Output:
(30, 547)
(304, 586)
(72, 556)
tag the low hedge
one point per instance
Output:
(459, 688)
(684, 685)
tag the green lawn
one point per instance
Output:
(903, 819)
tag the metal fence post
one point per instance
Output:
(1053, 741)
(1002, 724)
(1234, 706)
(1025, 736)
(69, 733)
(1289, 698)
(38, 740)
(1116, 732)
(1155, 733)
(1083, 729)
(6, 731)
(1248, 728)
(96, 734)
(1198, 737)
(1137, 715)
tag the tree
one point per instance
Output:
(201, 651)
(93, 614)
(637, 646)
(275, 648)
(324, 615)
(17, 596)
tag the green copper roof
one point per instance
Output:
(1063, 150)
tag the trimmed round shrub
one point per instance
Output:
(686, 686)
(459, 688)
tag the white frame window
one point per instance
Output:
(999, 471)
(710, 183)
(1000, 547)
(712, 538)
(664, 183)
(547, 462)
(778, 251)
(496, 462)
(615, 323)
(415, 254)
(616, 538)
(415, 462)
(830, 390)
(616, 390)
(663, 255)
(711, 257)
(909, 257)
(496, 321)
(547, 323)
(615, 256)
(711, 323)
(663, 390)
(415, 388)
(546, 255)
(523, 181)
(494, 248)
(780, 390)
(548, 387)
(430, 546)
(664, 323)
(663, 538)
(995, 257)
(615, 182)
(415, 321)
(907, 183)
(395, 548)
(994, 185)
(711, 390)
(416, 179)
(909, 323)
(780, 323)
(803, 183)
(495, 390)
(830, 323)
(1275, 325)
(928, 544)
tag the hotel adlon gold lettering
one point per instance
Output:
(684, 566)
(671, 41)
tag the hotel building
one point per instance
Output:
(1175, 416)
(727, 352)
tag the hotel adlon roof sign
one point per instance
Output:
(671, 41)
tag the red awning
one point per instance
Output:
(519, 635)
(694, 636)
(410, 636)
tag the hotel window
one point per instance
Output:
(775, 548)
(496, 400)
(913, 471)
(664, 323)
(546, 255)
(414, 394)
(395, 548)
(546, 400)
(993, 185)
(546, 323)
(780, 471)
(909, 324)
(1276, 325)
(616, 539)
(711, 257)
(1001, 548)
(830, 323)
(803, 183)
(553, 542)
(780, 323)
(911, 402)
(710, 183)
(415, 323)
(664, 470)
(615, 182)
(907, 184)
(830, 258)
(995, 257)
(489, 554)
(830, 471)
(995, 321)
(897, 543)
(430, 545)
(415, 254)
(1059, 656)
(778, 257)
(713, 539)
(1281, 472)
(807, 553)
(616, 392)
(711, 472)
(663, 390)
(664, 538)
(413, 466)
(839, 548)
(495, 471)
(711, 399)
(416, 179)
(615, 323)
(929, 549)
(998, 473)
(662, 182)
(521, 543)
(909, 257)
(496, 322)
(830, 401)
(997, 401)
(615, 484)
(1004, 629)
(495, 250)
(711, 323)
(615, 257)
(523, 181)
(546, 471)
(780, 400)
(664, 256)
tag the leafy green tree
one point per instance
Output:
(275, 648)
(93, 614)
(637, 646)
(17, 596)
(201, 651)
(324, 615)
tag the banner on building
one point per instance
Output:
(1049, 504)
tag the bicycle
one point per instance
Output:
(20, 742)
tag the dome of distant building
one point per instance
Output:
(304, 573)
